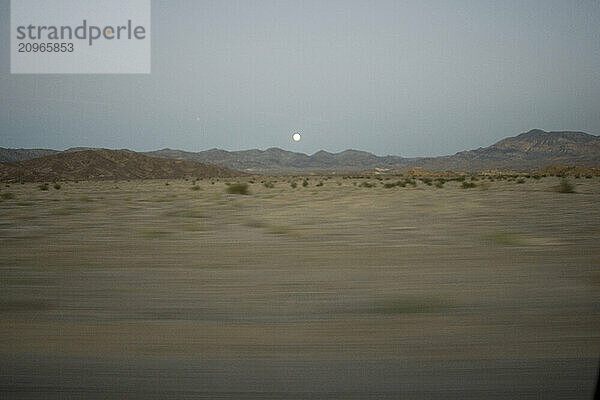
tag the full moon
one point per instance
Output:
(296, 137)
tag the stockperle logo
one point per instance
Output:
(80, 36)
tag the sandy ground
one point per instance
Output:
(146, 290)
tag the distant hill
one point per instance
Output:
(528, 151)
(278, 160)
(103, 164)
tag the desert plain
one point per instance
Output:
(341, 288)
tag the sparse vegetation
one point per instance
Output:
(255, 223)
(294, 185)
(268, 185)
(238, 188)
(57, 186)
(7, 196)
(195, 187)
(304, 183)
(565, 186)
(520, 181)
(409, 181)
(278, 229)
(503, 239)
(44, 187)
(468, 185)
(366, 184)
(151, 233)
(63, 211)
(408, 305)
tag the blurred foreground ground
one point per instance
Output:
(146, 290)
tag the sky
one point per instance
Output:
(408, 78)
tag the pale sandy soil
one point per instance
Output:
(132, 273)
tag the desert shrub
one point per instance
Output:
(57, 186)
(7, 196)
(238, 188)
(459, 179)
(474, 178)
(268, 185)
(319, 184)
(468, 185)
(426, 181)
(43, 186)
(389, 185)
(439, 184)
(366, 184)
(520, 180)
(304, 183)
(195, 187)
(536, 177)
(565, 186)
(588, 177)
(166, 183)
(294, 185)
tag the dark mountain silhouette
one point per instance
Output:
(106, 164)
(526, 152)
(531, 150)
(278, 160)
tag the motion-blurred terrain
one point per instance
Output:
(366, 287)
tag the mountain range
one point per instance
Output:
(525, 152)
(102, 164)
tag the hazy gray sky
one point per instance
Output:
(411, 78)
